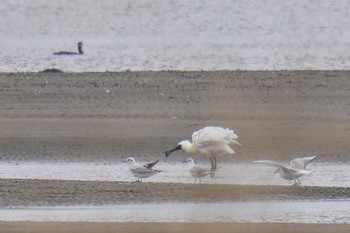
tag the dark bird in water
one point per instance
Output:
(80, 49)
(51, 70)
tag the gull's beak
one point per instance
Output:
(168, 152)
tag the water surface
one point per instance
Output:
(175, 35)
(323, 174)
(289, 211)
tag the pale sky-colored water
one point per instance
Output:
(323, 174)
(177, 35)
(273, 211)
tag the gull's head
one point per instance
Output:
(188, 161)
(129, 160)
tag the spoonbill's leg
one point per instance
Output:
(213, 165)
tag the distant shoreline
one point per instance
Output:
(62, 71)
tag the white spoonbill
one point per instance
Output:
(141, 171)
(295, 169)
(198, 171)
(210, 141)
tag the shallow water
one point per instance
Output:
(323, 174)
(174, 35)
(296, 212)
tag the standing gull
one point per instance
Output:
(141, 171)
(295, 169)
(210, 141)
(198, 171)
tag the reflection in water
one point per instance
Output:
(295, 211)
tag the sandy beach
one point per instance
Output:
(87, 117)
(57, 227)
(101, 116)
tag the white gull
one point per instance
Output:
(141, 171)
(198, 171)
(296, 168)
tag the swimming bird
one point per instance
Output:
(80, 51)
(296, 168)
(210, 141)
(141, 171)
(198, 171)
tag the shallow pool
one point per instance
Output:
(272, 211)
(323, 174)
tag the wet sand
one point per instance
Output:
(106, 116)
(59, 227)
(21, 193)
(109, 116)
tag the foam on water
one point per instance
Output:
(174, 35)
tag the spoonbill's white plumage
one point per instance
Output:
(295, 169)
(210, 141)
(141, 171)
(198, 171)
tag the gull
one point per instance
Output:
(296, 168)
(198, 171)
(210, 141)
(141, 171)
(300, 163)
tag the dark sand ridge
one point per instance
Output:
(21, 193)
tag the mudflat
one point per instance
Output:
(171, 227)
(104, 117)
(30, 192)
